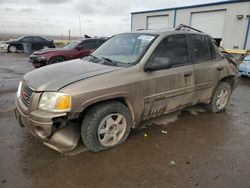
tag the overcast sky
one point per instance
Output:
(56, 17)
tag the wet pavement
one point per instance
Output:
(191, 148)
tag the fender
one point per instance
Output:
(125, 96)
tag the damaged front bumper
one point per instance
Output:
(52, 129)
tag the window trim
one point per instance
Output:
(192, 55)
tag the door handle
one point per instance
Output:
(219, 68)
(189, 73)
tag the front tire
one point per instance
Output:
(106, 125)
(220, 98)
(12, 49)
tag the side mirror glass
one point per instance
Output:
(158, 63)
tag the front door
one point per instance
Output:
(171, 87)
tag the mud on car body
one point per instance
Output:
(130, 78)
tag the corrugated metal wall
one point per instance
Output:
(234, 31)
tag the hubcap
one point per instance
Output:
(12, 49)
(111, 129)
(222, 99)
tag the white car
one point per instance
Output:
(3, 46)
(244, 68)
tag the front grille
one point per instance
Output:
(26, 95)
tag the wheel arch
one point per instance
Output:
(230, 79)
(54, 56)
(122, 99)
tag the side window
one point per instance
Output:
(37, 39)
(89, 45)
(27, 39)
(200, 48)
(100, 42)
(212, 47)
(173, 49)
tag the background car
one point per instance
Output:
(75, 49)
(244, 68)
(36, 42)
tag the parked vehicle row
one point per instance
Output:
(130, 78)
(75, 49)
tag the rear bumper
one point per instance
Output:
(58, 135)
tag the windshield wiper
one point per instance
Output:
(109, 61)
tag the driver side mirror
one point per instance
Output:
(158, 63)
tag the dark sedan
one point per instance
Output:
(37, 43)
(75, 49)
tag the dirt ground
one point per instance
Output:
(184, 149)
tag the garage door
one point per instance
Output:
(209, 22)
(158, 22)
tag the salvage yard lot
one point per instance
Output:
(192, 149)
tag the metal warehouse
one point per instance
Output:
(228, 22)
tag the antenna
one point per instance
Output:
(80, 27)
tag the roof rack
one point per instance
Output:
(179, 27)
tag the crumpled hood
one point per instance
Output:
(48, 50)
(56, 76)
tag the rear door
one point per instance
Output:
(38, 43)
(169, 89)
(207, 65)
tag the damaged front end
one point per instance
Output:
(55, 130)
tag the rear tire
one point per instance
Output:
(56, 59)
(106, 125)
(220, 98)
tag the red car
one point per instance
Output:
(74, 50)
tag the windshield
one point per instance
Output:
(72, 45)
(247, 59)
(124, 48)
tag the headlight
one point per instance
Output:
(41, 58)
(55, 102)
(19, 90)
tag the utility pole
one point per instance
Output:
(80, 27)
(69, 34)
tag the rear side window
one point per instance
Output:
(100, 42)
(89, 45)
(213, 54)
(27, 39)
(174, 48)
(38, 39)
(200, 48)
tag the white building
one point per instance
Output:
(227, 21)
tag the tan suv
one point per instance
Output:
(132, 77)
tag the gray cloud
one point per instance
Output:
(28, 9)
(53, 1)
(8, 9)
